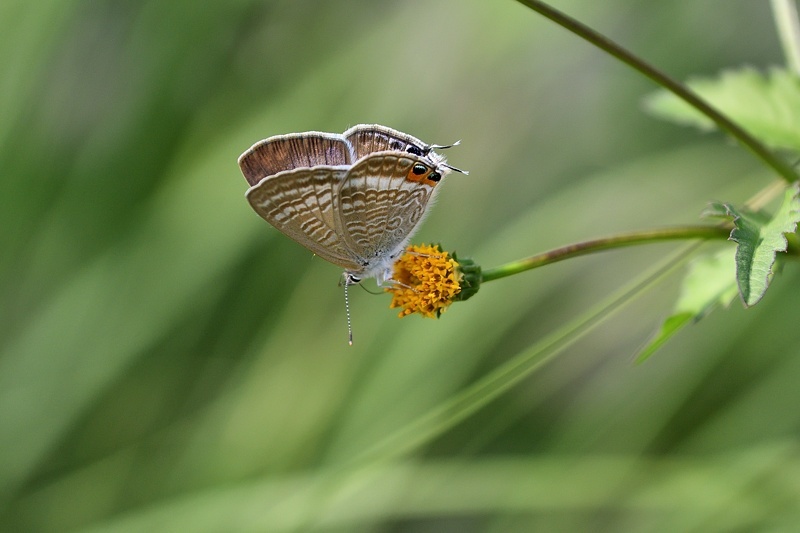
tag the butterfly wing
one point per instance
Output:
(300, 203)
(370, 138)
(290, 152)
(379, 205)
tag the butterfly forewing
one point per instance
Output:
(289, 152)
(300, 203)
(370, 138)
(378, 208)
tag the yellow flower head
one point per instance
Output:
(427, 281)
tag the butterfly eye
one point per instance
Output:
(419, 169)
(414, 150)
(434, 176)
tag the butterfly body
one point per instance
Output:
(353, 199)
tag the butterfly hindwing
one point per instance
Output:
(378, 207)
(300, 203)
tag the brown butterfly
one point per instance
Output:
(353, 199)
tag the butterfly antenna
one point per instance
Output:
(465, 172)
(347, 312)
(444, 146)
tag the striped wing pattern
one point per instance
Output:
(300, 203)
(370, 138)
(294, 151)
(378, 208)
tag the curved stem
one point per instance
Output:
(606, 243)
(680, 90)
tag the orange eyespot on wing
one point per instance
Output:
(423, 174)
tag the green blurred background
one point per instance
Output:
(170, 362)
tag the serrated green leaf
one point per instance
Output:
(758, 244)
(768, 106)
(710, 281)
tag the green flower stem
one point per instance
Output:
(683, 92)
(607, 243)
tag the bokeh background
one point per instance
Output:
(170, 362)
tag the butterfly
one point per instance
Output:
(355, 199)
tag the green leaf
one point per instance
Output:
(715, 210)
(711, 280)
(767, 106)
(758, 244)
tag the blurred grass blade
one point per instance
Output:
(686, 492)
(113, 309)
